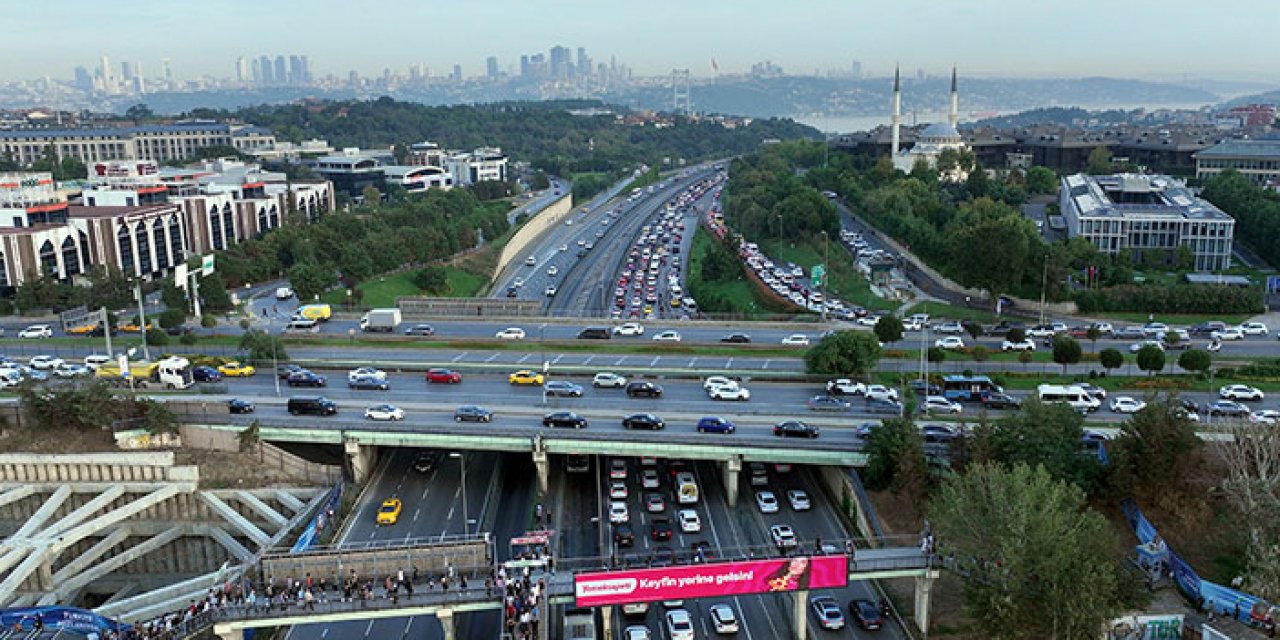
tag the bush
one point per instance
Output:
(1182, 298)
(189, 339)
(209, 321)
(157, 337)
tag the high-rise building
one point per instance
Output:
(281, 71)
(584, 62)
(297, 71)
(491, 66)
(104, 72)
(126, 71)
(457, 73)
(139, 79)
(242, 70)
(855, 69)
(306, 70)
(524, 66)
(84, 80)
(168, 75)
(559, 62)
(268, 75)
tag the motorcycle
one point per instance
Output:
(1214, 346)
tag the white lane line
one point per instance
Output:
(588, 360)
(654, 363)
(460, 356)
(693, 362)
(406, 628)
(526, 357)
(491, 358)
(325, 632)
(557, 358)
(619, 361)
(373, 533)
(766, 363)
(368, 629)
(729, 364)
(416, 513)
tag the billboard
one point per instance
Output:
(708, 580)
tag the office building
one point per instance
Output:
(482, 164)
(1145, 214)
(491, 67)
(162, 143)
(1257, 160)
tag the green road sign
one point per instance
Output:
(818, 276)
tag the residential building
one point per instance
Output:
(1257, 160)
(161, 143)
(1145, 214)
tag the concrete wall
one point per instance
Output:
(95, 467)
(269, 455)
(836, 481)
(552, 215)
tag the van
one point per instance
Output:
(302, 325)
(1072, 395)
(312, 405)
(321, 312)
(595, 333)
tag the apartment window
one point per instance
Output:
(70, 256)
(143, 236)
(162, 249)
(175, 240)
(125, 244)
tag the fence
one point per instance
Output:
(427, 556)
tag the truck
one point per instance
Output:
(318, 312)
(170, 373)
(383, 320)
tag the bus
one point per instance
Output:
(1071, 395)
(686, 488)
(968, 388)
(577, 463)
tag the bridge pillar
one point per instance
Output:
(362, 459)
(542, 462)
(227, 633)
(799, 619)
(445, 616)
(731, 467)
(606, 622)
(924, 585)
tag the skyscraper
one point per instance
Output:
(281, 71)
(559, 62)
(126, 71)
(168, 75)
(491, 67)
(84, 80)
(242, 70)
(457, 73)
(306, 70)
(524, 66)
(584, 63)
(856, 69)
(297, 70)
(108, 80)
(268, 76)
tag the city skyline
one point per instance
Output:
(992, 38)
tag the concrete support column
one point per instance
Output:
(541, 460)
(799, 619)
(924, 585)
(44, 576)
(606, 622)
(225, 632)
(362, 459)
(731, 467)
(445, 616)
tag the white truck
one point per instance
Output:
(380, 320)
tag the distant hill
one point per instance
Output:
(1269, 97)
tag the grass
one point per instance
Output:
(846, 282)
(739, 294)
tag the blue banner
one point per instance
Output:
(322, 519)
(57, 617)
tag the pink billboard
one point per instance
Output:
(707, 580)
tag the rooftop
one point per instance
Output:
(77, 211)
(1129, 194)
(1242, 148)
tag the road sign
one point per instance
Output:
(206, 266)
(819, 275)
(180, 276)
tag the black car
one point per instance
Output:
(204, 373)
(880, 405)
(866, 614)
(368, 383)
(305, 378)
(623, 536)
(472, 413)
(99, 332)
(1206, 328)
(511, 292)
(738, 338)
(1004, 327)
(796, 428)
(923, 389)
(1000, 401)
(643, 388)
(285, 370)
(660, 529)
(643, 421)
(180, 330)
(1229, 408)
(565, 419)
(937, 433)
(236, 405)
(424, 463)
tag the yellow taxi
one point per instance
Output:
(236, 370)
(675, 302)
(648, 309)
(83, 329)
(389, 512)
(130, 327)
(525, 376)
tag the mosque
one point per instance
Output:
(933, 140)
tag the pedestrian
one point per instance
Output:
(400, 576)
(408, 588)
(462, 582)
(39, 624)
(310, 600)
(444, 583)
(488, 587)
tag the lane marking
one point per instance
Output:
(729, 364)
(368, 629)
(766, 363)
(654, 363)
(491, 358)
(557, 359)
(619, 361)
(416, 513)
(526, 357)
(460, 356)
(589, 359)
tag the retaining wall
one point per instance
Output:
(550, 216)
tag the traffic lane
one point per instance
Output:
(507, 518)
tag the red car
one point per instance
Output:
(446, 376)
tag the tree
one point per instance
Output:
(1066, 350)
(889, 328)
(539, 181)
(213, 294)
(157, 337)
(371, 195)
(1038, 562)
(979, 353)
(1093, 333)
(1025, 358)
(1252, 487)
(978, 184)
(173, 297)
(1111, 358)
(1016, 334)
(1042, 180)
(1150, 358)
(1046, 434)
(310, 279)
(974, 329)
(1155, 452)
(1196, 360)
(936, 355)
(250, 437)
(432, 280)
(139, 112)
(189, 339)
(261, 346)
(172, 318)
(1099, 162)
(893, 448)
(1184, 259)
(843, 353)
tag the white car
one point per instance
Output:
(1254, 329)
(649, 479)
(783, 535)
(618, 490)
(866, 321)
(36, 331)
(384, 412)
(517, 283)
(550, 291)
(715, 381)
(767, 502)
(729, 392)
(284, 293)
(1137, 346)
(610, 380)
(510, 333)
(1266, 416)
(1025, 345)
(1230, 333)
(949, 342)
(1240, 392)
(723, 620)
(670, 335)
(636, 632)
(939, 404)
(689, 521)
(531, 261)
(799, 500)
(95, 360)
(679, 625)
(845, 387)
(72, 370)
(1126, 404)
(796, 340)
(881, 392)
(45, 362)
(366, 372)
(618, 513)
(553, 271)
(629, 329)
(950, 327)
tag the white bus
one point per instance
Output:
(1071, 395)
(686, 488)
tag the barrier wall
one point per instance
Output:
(433, 558)
(269, 455)
(550, 216)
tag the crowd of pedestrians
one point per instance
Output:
(522, 606)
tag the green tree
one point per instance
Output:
(1038, 561)
(260, 346)
(1025, 358)
(895, 456)
(432, 280)
(1066, 351)
(1093, 333)
(213, 294)
(172, 318)
(1099, 162)
(1042, 180)
(189, 339)
(1156, 451)
(978, 184)
(310, 279)
(1045, 434)
(539, 181)
(974, 329)
(1016, 334)
(1184, 259)
(157, 337)
(889, 328)
(173, 297)
(1196, 360)
(139, 112)
(843, 353)
(1111, 359)
(372, 196)
(1150, 358)
(935, 355)
(979, 353)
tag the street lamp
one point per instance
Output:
(466, 521)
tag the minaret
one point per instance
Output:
(954, 118)
(897, 110)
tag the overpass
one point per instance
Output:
(362, 441)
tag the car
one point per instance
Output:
(881, 392)
(866, 614)
(643, 421)
(1266, 416)
(1229, 333)
(564, 419)
(637, 632)
(36, 331)
(389, 512)
(845, 387)
(1024, 345)
(472, 413)
(783, 536)
(45, 362)
(384, 412)
(939, 404)
(420, 330)
(1127, 404)
(623, 535)
(425, 462)
(236, 405)
(660, 529)
(654, 503)
(1129, 333)
(827, 611)
(510, 333)
(366, 372)
(882, 405)
(618, 513)
(799, 500)
(550, 291)
(1254, 329)
(645, 388)
(670, 335)
(629, 329)
(512, 292)
(953, 343)
(1241, 392)
(562, 389)
(729, 392)
(1206, 328)
(1137, 346)
(715, 381)
(618, 490)
(723, 620)
(766, 502)
(607, 379)
(1228, 408)
(565, 247)
(553, 271)
(235, 369)
(443, 376)
(938, 433)
(1093, 390)
(996, 400)
(518, 283)
(72, 370)
(1041, 331)
(736, 338)
(95, 360)
(368, 383)
(133, 327)
(305, 378)
(796, 340)
(715, 424)
(531, 261)
(285, 370)
(679, 625)
(796, 428)
(950, 327)
(283, 293)
(525, 376)
(826, 403)
(689, 521)
(759, 474)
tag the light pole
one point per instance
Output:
(275, 360)
(142, 319)
(1044, 282)
(466, 521)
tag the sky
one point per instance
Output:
(985, 38)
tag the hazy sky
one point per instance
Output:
(1126, 38)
